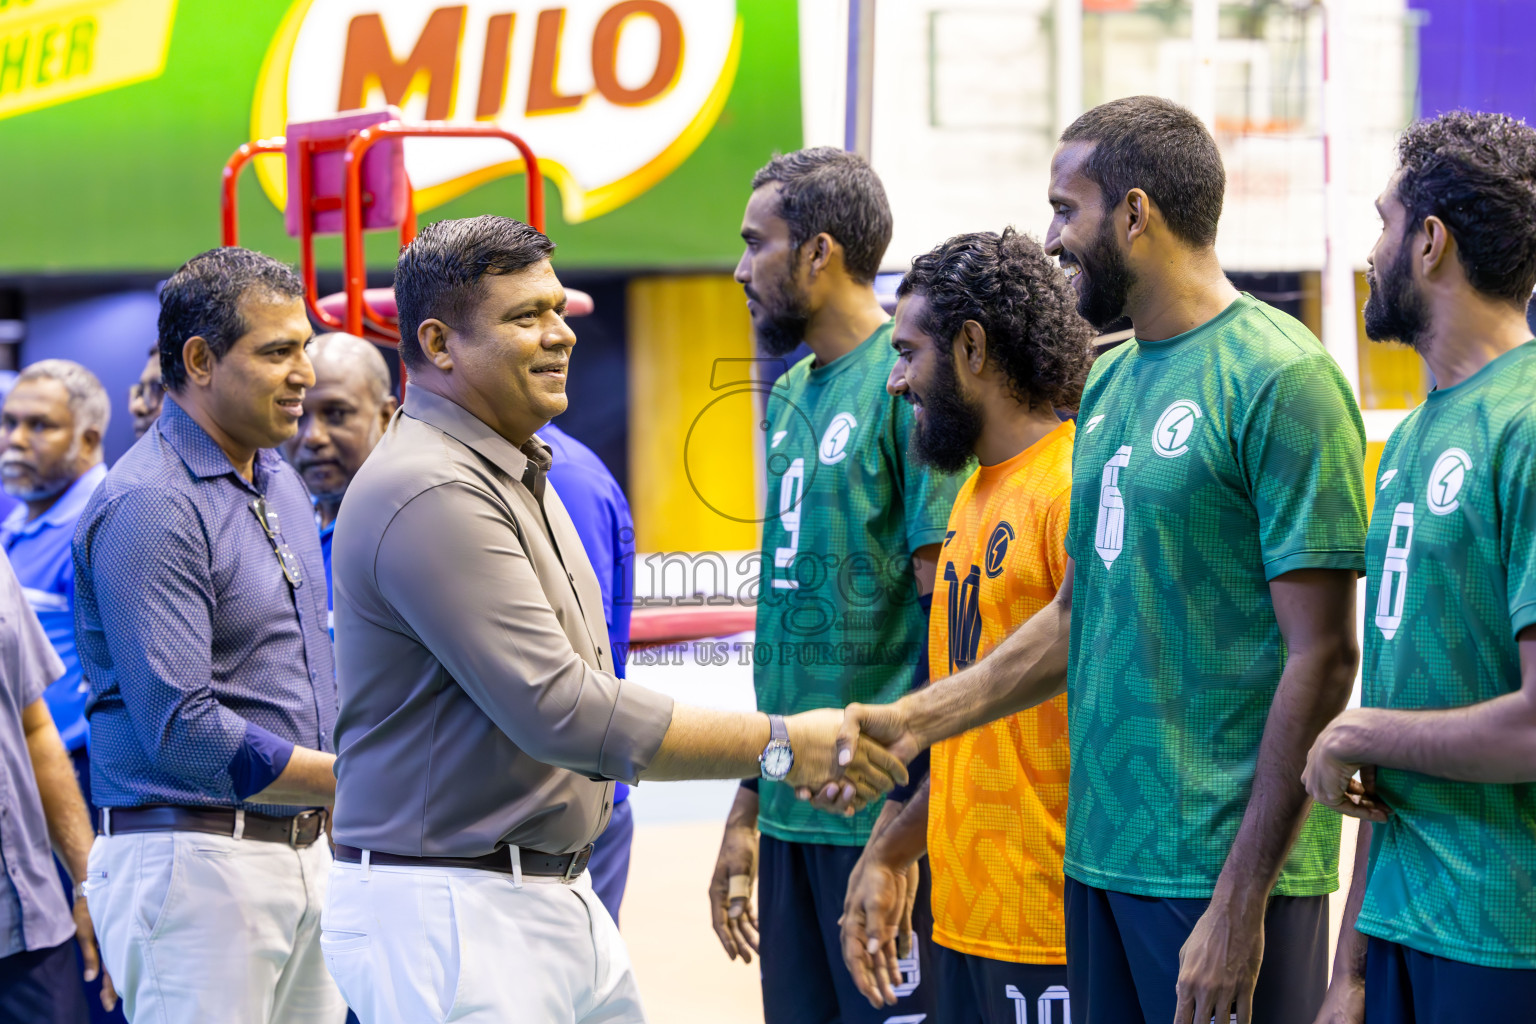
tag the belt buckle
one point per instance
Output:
(299, 821)
(577, 865)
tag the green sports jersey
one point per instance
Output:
(1451, 567)
(1206, 465)
(838, 618)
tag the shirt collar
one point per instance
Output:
(201, 453)
(528, 463)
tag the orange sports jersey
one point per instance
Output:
(998, 802)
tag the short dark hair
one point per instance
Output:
(832, 190)
(1477, 173)
(1155, 145)
(1008, 285)
(203, 299)
(438, 272)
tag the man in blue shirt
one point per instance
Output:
(53, 422)
(200, 617)
(39, 801)
(601, 513)
(345, 413)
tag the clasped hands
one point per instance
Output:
(846, 758)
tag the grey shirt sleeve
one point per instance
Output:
(468, 592)
(37, 663)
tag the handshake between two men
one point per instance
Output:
(846, 759)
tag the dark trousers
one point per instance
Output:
(1405, 986)
(1123, 956)
(42, 987)
(979, 990)
(609, 865)
(800, 891)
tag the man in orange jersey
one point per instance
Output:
(989, 345)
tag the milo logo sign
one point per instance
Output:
(612, 96)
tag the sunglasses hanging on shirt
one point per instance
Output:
(267, 517)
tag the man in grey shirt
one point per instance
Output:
(481, 724)
(39, 801)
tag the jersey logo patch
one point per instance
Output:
(1109, 534)
(1445, 481)
(834, 443)
(1170, 438)
(1088, 429)
(1386, 478)
(997, 549)
(778, 435)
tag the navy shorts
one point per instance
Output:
(978, 990)
(1123, 956)
(1405, 986)
(800, 892)
(43, 987)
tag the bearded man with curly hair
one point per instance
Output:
(989, 346)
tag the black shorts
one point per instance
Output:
(1123, 956)
(1405, 986)
(977, 990)
(800, 892)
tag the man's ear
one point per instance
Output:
(971, 346)
(432, 336)
(387, 408)
(90, 443)
(197, 359)
(817, 253)
(1138, 207)
(1434, 244)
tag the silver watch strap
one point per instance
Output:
(777, 729)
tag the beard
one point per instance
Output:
(30, 486)
(1107, 279)
(945, 437)
(1395, 311)
(783, 314)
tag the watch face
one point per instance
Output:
(777, 760)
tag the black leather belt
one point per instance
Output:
(564, 866)
(299, 831)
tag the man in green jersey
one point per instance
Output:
(1205, 631)
(850, 541)
(1441, 920)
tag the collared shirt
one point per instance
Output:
(206, 667)
(600, 513)
(33, 914)
(478, 702)
(40, 553)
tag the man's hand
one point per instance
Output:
(877, 925)
(1219, 964)
(85, 934)
(1329, 774)
(1345, 1002)
(860, 770)
(730, 888)
(887, 725)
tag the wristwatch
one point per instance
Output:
(777, 757)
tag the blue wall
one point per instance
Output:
(1476, 55)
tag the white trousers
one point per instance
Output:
(412, 945)
(196, 928)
